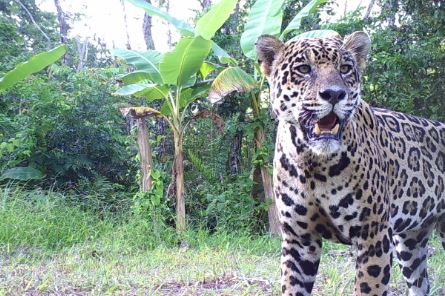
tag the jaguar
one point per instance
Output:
(348, 172)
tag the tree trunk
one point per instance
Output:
(146, 28)
(390, 8)
(235, 15)
(63, 28)
(179, 180)
(128, 45)
(145, 154)
(274, 225)
(368, 10)
(82, 49)
(235, 153)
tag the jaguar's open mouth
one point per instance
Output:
(328, 127)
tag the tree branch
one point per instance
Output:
(34, 22)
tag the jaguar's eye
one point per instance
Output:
(304, 69)
(345, 69)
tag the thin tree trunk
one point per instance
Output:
(63, 28)
(145, 154)
(146, 27)
(63, 25)
(235, 153)
(165, 146)
(235, 156)
(274, 225)
(390, 8)
(128, 45)
(82, 49)
(169, 31)
(368, 10)
(236, 14)
(205, 4)
(179, 177)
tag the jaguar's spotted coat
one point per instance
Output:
(347, 172)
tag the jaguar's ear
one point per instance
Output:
(267, 49)
(359, 44)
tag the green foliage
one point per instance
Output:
(152, 202)
(231, 206)
(13, 13)
(411, 73)
(199, 165)
(69, 130)
(100, 195)
(151, 209)
(10, 44)
(20, 72)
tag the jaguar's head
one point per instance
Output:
(315, 84)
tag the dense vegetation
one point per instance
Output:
(66, 123)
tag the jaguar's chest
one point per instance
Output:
(335, 195)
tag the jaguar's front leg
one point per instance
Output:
(373, 264)
(300, 257)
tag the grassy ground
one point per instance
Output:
(47, 248)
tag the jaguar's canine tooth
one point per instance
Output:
(317, 130)
(335, 129)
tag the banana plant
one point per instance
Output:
(265, 17)
(173, 78)
(206, 26)
(34, 64)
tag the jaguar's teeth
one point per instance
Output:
(317, 130)
(335, 129)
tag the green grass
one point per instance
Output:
(50, 248)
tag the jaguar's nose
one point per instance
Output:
(333, 96)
